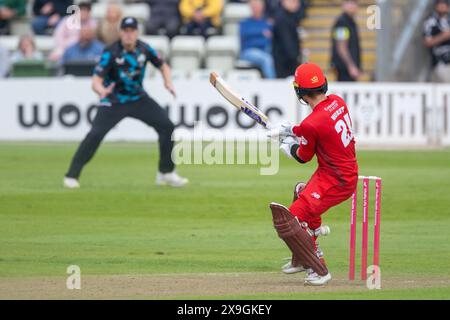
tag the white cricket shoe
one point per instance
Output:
(313, 279)
(288, 268)
(71, 183)
(171, 179)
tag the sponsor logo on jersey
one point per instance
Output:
(141, 59)
(120, 61)
(303, 141)
(315, 195)
(332, 106)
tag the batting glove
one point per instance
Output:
(287, 144)
(281, 131)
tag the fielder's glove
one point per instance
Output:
(281, 131)
(287, 144)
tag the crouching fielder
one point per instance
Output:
(118, 80)
(327, 133)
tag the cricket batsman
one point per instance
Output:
(118, 82)
(326, 133)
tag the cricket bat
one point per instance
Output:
(240, 103)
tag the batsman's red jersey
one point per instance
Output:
(327, 133)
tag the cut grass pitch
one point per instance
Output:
(120, 223)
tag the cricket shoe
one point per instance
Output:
(291, 267)
(71, 183)
(313, 279)
(171, 179)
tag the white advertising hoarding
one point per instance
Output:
(383, 114)
(63, 109)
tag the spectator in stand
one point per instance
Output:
(9, 10)
(256, 39)
(47, 14)
(437, 39)
(26, 50)
(201, 17)
(165, 17)
(66, 35)
(273, 6)
(88, 48)
(4, 62)
(346, 50)
(286, 41)
(109, 27)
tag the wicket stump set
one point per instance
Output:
(365, 227)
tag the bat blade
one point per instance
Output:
(238, 102)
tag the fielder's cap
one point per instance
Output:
(129, 22)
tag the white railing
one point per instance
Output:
(442, 115)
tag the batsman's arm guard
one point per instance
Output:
(297, 238)
(294, 153)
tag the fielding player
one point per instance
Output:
(327, 133)
(118, 82)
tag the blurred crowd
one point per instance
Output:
(270, 39)
(437, 40)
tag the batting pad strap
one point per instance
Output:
(299, 241)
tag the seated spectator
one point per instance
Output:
(26, 50)
(65, 33)
(4, 62)
(201, 17)
(165, 18)
(256, 39)
(9, 10)
(437, 39)
(47, 14)
(108, 30)
(88, 48)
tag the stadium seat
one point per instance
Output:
(45, 43)
(221, 52)
(99, 10)
(160, 43)
(187, 52)
(141, 11)
(9, 42)
(233, 14)
(21, 26)
(243, 75)
(201, 74)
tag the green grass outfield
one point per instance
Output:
(120, 223)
